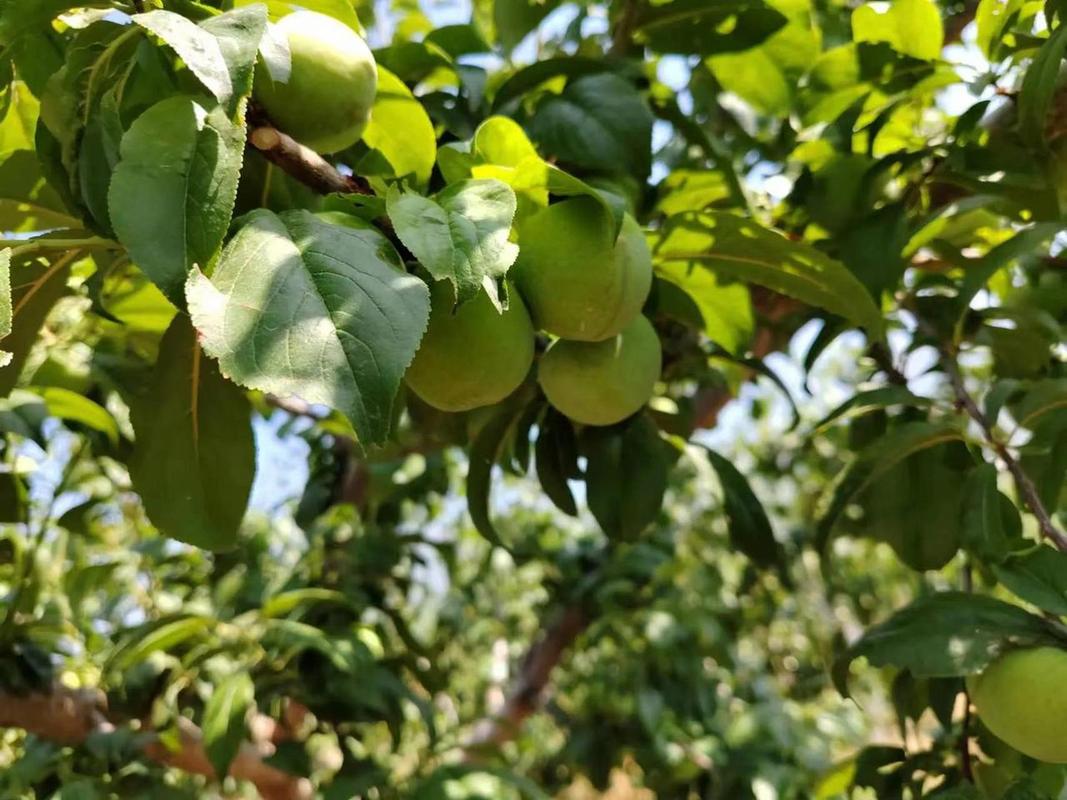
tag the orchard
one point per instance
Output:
(528, 399)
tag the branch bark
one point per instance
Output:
(528, 691)
(69, 716)
(1023, 483)
(303, 163)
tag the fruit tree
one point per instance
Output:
(533, 399)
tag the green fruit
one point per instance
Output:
(578, 284)
(474, 356)
(326, 103)
(1020, 698)
(601, 383)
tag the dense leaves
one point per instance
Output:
(240, 556)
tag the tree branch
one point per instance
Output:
(1026, 487)
(303, 163)
(528, 691)
(622, 38)
(69, 716)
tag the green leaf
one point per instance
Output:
(514, 19)
(338, 9)
(239, 33)
(1038, 576)
(460, 235)
(400, 135)
(597, 122)
(743, 250)
(173, 192)
(17, 129)
(725, 308)
(991, 524)
(991, 21)
(872, 400)
(1044, 458)
(911, 27)
(768, 76)
(225, 722)
(701, 28)
(27, 202)
(200, 50)
(947, 634)
(557, 460)
(1039, 87)
(299, 305)
(194, 458)
(876, 460)
(530, 77)
(1041, 398)
(20, 18)
(35, 288)
(1023, 243)
(750, 530)
(70, 406)
(627, 466)
(159, 636)
(285, 602)
(485, 450)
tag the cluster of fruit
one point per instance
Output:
(577, 278)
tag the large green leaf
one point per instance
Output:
(743, 250)
(239, 33)
(173, 192)
(461, 234)
(27, 202)
(750, 530)
(68, 405)
(1039, 87)
(704, 28)
(24, 17)
(626, 475)
(302, 305)
(876, 460)
(724, 307)
(948, 634)
(1038, 576)
(992, 527)
(194, 458)
(157, 636)
(225, 722)
(598, 122)
(514, 19)
(400, 135)
(198, 48)
(911, 27)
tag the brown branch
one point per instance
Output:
(1023, 483)
(303, 163)
(68, 716)
(622, 37)
(528, 691)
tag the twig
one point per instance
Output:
(303, 163)
(622, 37)
(1022, 481)
(70, 716)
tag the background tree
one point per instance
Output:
(740, 389)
